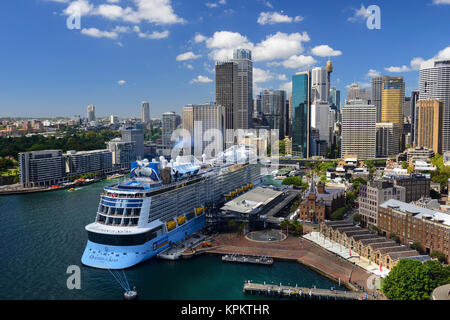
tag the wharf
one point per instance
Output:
(302, 293)
(237, 258)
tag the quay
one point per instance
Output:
(303, 293)
(237, 258)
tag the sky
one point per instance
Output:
(164, 51)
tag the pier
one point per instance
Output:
(237, 258)
(302, 293)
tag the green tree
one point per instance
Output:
(434, 194)
(357, 218)
(405, 165)
(419, 247)
(439, 255)
(412, 280)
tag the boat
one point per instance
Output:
(160, 204)
(71, 189)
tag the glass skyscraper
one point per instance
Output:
(301, 101)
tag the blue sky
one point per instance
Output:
(163, 51)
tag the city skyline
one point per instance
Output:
(110, 62)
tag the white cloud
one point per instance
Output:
(373, 73)
(359, 14)
(325, 51)
(199, 38)
(260, 75)
(282, 77)
(153, 35)
(121, 82)
(275, 17)
(280, 46)
(96, 33)
(394, 69)
(187, 56)
(189, 66)
(159, 12)
(201, 79)
(296, 62)
(214, 4)
(223, 43)
(441, 1)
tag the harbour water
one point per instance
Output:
(42, 234)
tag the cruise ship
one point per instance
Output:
(163, 203)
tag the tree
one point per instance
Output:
(419, 247)
(412, 280)
(357, 218)
(439, 255)
(405, 165)
(434, 194)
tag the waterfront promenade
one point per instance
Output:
(296, 249)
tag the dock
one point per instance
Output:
(302, 293)
(237, 258)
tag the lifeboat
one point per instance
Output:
(233, 194)
(181, 220)
(250, 185)
(199, 211)
(171, 225)
(245, 187)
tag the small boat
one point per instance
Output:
(71, 189)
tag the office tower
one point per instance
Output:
(123, 153)
(145, 112)
(273, 104)
(291, 115)
(429, 124)
(201, 118)
(377, 85)
(319, 84)
(388, 139)
(301, 102)
(392, 100)
(41, 168)
(91, 112)
(170, 122)
(359, 130)
(242, 113)
(137, 136)
(406, 108)
(187, 120)
(287, 118)
(434, 83)
(414, 115)
(113, 119)
(320, 113)
(356, 93)
(335, 98)
(227, 90)
(257, 108)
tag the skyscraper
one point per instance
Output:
(211, 117)
(227, 90)
(170, 122)
(434, 83)
(273, 105)
(359, 129)
(429, 124)
(130, 134)
(243, 111)
(301, 102)
(356, 93)
(91, 112)
(145, 112)
(319, 84)
(414, 115)
(388, 139)
(392, 100)
(377, 84)
(335, 98)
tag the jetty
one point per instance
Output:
(303, 293)
(237, 258)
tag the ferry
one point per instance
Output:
(163, 203)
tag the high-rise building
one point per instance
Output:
(434, 83)
(123, 153)
(301, 103)
(414, 115)
(359, 130)
(170, 122)
(145, 112)
(388, 139)
(290, 116)
(319, 84)
(257, 107)
(227, 90)
(136, 136)
(243, 111)
(377, 86)
(113, 119)
(329, 68)
(392, 100)
(429, 124)
(320, 114)
(83, 162)
(41, 168)
(202, 118)
(273, 104)
(356, 93)
(91, 112)
(335, 98)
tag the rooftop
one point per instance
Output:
(252, 200)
